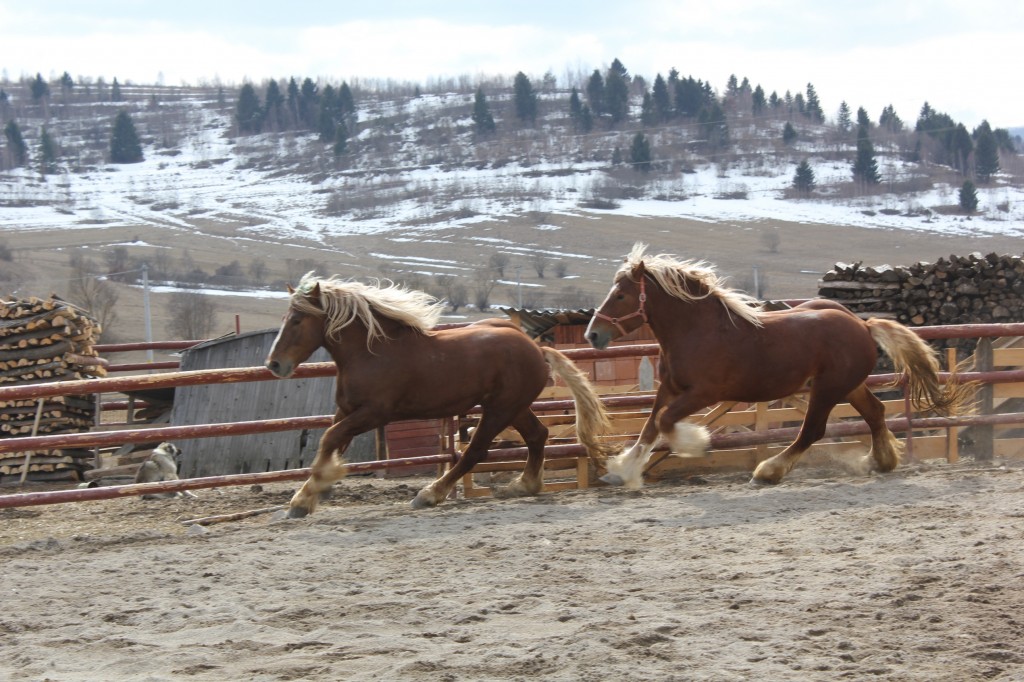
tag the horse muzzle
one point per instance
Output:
(282, 370)
(598, 338)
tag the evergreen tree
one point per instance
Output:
(889, 120)
(248, 111)
(115, 91)
(986, 153)
(482, 119)
(293, 101)
(67, 84)
(648, 115)
(813, 109)
(273, 108)
(340, 139)
(525, 99)
(640, 153)
(124, 141)
(595, 93)
(968, 197)
(39, 88)
(346, 102)
(690, 97)
(661, 99)
(788, 134)
(758, 103)
(47, 153)
(963, 145)
(16, 146)
(618, 68)
(799, 105)
(865, 168)
(862, 120)
(616, 156)
(803, 180)
(586, 122)
(843, 120)
(575, 107)
(616, 92)
(713, 127)
(309, 100)
(774, 101)
(330, 114)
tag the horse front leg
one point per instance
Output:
(627, 468)
(327, 467)
(684, 439)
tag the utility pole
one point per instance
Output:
(519, 287)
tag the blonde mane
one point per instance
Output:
(344, 302)
(677, 277)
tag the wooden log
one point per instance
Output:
(236, 516)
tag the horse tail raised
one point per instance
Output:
(917, 361)
(591, 417)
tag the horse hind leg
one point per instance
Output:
(535, 435)
(885, 448)
(773, 469)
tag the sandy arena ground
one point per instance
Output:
(915, 575)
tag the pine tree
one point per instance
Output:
(124, 141)
(115, 91)
(293, 101)
(346, 102)
(661, 99)
(986, 153)
(714, 127)
(595, 93)
(788, 134)
(862, 119)
(482, 119)
(640, 153)
(340, 139)
(39, 88)
(889, 120)
(843, 119)
(309, 100)
(525, 99)
(803, 180)
(616, 92)
(648, 115)
(758, 103)
(813, 109)
(586, 123)
(273, 108)
(248, 111)
(575, 108)
(963, 145)
(865, 168)
(67, 84)
(47, 153)
(16, 144)
(968, 197)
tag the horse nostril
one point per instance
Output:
(273, 365)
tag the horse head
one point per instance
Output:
(623, 310)
(301, 333)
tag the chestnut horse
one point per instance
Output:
(392, 365)
(718, 345)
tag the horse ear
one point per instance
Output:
(291, 291)
(639, 270)
(314, 293)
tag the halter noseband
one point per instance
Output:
(640, 312)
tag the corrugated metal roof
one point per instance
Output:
(537, 323)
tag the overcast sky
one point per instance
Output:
(961, 56)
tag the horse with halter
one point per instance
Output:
(393, 365)
(718, 345)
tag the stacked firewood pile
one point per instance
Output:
(46, 340)
(958, 290)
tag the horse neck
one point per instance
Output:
(351, 343)
(671, 318)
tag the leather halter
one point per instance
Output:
(640, 312)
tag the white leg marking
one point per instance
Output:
(689, 440)
(629, 466)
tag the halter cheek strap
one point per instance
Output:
(641, 312)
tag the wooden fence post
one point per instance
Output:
(984, 434)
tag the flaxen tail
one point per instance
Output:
(917, 361)
(591, 417)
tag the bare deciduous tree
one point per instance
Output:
(539, 262)
(484, 281)
(499, 261)
(88, 289)
(192, 315)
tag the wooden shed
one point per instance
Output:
(253, 401)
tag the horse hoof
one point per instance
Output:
(761, 482)
(612, 479)
(421, 501)
(297, 512)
